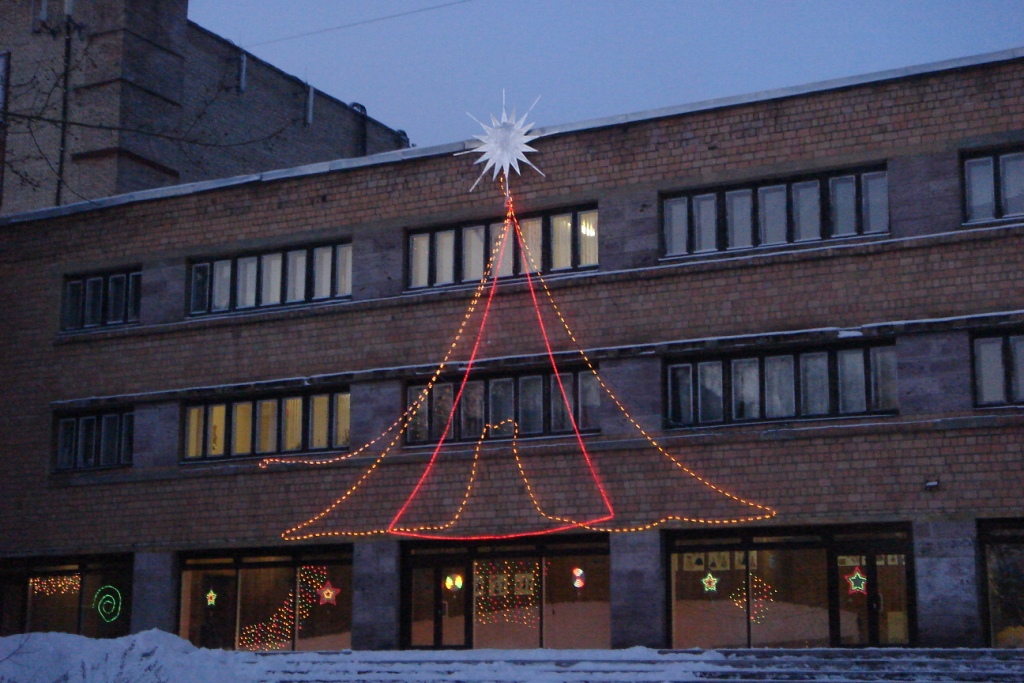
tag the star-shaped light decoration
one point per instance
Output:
(328, 594)
(710, 583)
(858, 582)
(211, 598)
(503, 145)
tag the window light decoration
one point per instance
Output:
(275, 632)
(762, 597)
(453, 582)
(858, 582)
(598, 512)
(710, 583)
(328, 594)
(211, 598)
(107, 601)
(507, 591)
(579, 579)
(55, 585)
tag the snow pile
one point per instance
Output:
(149, 657)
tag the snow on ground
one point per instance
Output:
(153, 656)
(159, 657)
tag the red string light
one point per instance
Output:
(490, 281)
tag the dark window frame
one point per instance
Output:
(80, 440)
(825, 211)
(75, 309)
(673, 407)
(455, 435)
(5, 91)
(199, 295)
(459, 277)
(1007, 375)
(998, 207)
(335, 442)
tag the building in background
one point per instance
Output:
(108, 97)
(789, 413)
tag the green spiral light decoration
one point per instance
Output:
(107, 601)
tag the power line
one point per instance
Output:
(357, 23)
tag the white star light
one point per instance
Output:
(503, 145)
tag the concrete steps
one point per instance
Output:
(640, 665)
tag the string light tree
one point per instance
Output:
(430, 510)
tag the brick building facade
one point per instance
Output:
(788, 414)
(151, 100)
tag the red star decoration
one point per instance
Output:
(858, 582)
(328, 594)
(710, 583)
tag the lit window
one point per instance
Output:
(550, 243)
(260, 280)
(264, 426)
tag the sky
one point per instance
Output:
(423, 65)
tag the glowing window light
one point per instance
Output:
(453, 582)
(579, 579)
(858, 582)
(107, 601)
(56, 585)
(710, 583)
(211, 598)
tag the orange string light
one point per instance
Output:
(489, 281)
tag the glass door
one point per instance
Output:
(439, 596)
(871, 594)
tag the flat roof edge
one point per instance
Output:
(409, 153)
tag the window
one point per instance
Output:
(994, 186)
(87, 596)
(805, 209)
(95, 440)
(101, 299)
(782, 386)
(489, 407)
(267, 425)
(999, 370)
(279, 602)
(253, 281)
(555, 242)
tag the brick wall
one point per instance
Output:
(917, 291)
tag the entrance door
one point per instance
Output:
(871, 595)
(440, 597)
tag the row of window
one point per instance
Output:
(102, 299)
(999, 370)
(537, 403)
(94, 441)
(837, 205)
(771, 387)
(554, 242)
(808, 384)
(287, 424)
(803, 209)
(271, 279)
